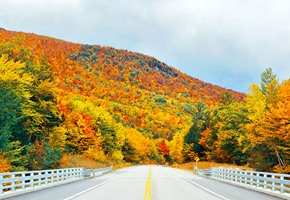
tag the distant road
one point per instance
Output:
(132, 183)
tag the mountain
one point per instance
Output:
(96, 101)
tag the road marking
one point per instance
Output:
(148, 189)
(89, 189)
(204, 188)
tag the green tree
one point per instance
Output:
(229, 123)
(226, 98)
(269, 85)
(13, 97)
(201, 121)
(29, 104)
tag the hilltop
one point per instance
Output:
(96, 101)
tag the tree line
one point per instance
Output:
(59, 99)
(253, 132)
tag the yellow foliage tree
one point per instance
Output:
(275, 128)
(177, 145)
(4, 164)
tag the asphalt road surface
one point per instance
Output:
(146, 182)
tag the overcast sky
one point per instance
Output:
(225, 42)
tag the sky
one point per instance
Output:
(224, 42)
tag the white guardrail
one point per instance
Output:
(272, 183)
(21, 182)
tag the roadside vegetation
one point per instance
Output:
(64, 104)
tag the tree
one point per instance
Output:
(176, 145)
(269, 85)
(201, 121)
(228, 127)
(267, 128)
(13, 97)
(275, 128)
(31, 111)
(43, 156)
(4, 164)
(226, 98)
(256, 104)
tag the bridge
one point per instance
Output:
(143, 182)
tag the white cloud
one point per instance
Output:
(225, 42)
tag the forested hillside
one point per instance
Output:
(109, 105)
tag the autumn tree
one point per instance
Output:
(228, 127)
(226, 98)
(201, 121)
(176, 146)
(267, 105)
(275, 127)
(256, 106)
(13, 97)
(32, 85)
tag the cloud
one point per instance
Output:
(228, 43)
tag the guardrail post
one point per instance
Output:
(48, 176)
(23, 181)
(59, 174)
(265, 181)
(242, 177)
(1, 184)
(225, 174)
(282, 184)
(45, 179)
(251, 178)
(258, 180)
(13, 182)
(38, 175)
(55, 176)
(235, 175)
(66, 172)
(273, 182)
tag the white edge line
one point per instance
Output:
(91, 188)
(200, 186)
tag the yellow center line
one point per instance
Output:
(148, 190)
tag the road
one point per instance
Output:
(158, 183)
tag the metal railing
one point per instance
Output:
(273, 182)
(96, 172)
(20, 182)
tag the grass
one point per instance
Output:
(71, 161)
(206, 165)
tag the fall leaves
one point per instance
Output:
(254, 132)
(60, 99)
(269, 127)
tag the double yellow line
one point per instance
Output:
(148, 190)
